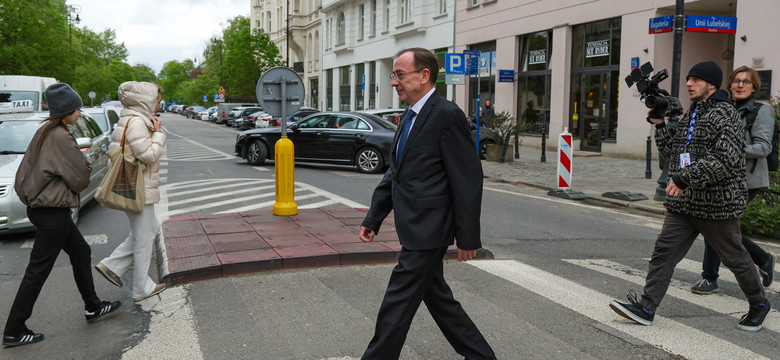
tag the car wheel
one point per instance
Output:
(74, 214)
(369, 161)
(256, 153)
(483, 148)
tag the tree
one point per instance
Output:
(34, 38)
(172, 77)
(247, 56)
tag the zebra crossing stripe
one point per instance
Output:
(90, 239)
(665, 333)
(214, 195)
(261, 205)
(720, 303)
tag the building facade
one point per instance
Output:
(570, 60)
(302, 50)
(361, 39)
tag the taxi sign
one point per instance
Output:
(16, 106)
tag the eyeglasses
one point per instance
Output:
(400, 75)
(743, 82)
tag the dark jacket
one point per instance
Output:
(714, 182)
(436, 190)
(54, 175)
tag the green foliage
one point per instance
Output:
(246, 56)
(173, 76)
(503, 124)
(763, 213)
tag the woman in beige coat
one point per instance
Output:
(141, 101)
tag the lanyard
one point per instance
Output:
(690, 128)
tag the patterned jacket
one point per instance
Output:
(713, 183)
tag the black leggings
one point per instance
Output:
(55, 231)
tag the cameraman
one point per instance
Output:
(759, 123)
(706, 194)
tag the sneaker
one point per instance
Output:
(157, 289)
(767, 271)
(28, 337)
(106, 308)
(754, 319)
(634, 311)
(108, 274)
(705, 287)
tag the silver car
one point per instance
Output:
(106, 118)
(16, 131)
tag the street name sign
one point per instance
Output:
(661, 24)
(711, 24)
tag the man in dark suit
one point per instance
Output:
(434, 186)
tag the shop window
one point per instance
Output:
(359, 84)
(533, 82)
(344, 88)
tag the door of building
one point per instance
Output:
(595, 108)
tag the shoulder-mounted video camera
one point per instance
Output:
(658, 100)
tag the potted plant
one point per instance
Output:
(503, 126)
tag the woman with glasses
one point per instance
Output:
(759, 124)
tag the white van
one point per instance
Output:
(21, 87)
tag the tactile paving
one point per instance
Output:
(238, 262)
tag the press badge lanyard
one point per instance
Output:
(685, 158)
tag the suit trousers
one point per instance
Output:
(419, 277)
(54, 231)
(711, 262)
(136, 250)
(676, 237)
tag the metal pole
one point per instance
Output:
(660, 191)
(454, 21)
(544, 143)
(287, 37)
(649, 158)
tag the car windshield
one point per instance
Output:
(6, 96)
(100, 118)
(382, 122)
(15, 136)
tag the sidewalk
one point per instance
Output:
(195, 247)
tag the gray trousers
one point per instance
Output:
(674, 241)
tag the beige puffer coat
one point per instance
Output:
(140, 102)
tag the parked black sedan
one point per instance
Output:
(343, 138)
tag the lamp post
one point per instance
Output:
(73, 10)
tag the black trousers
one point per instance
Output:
(711, 263)
(55, 231)
(418, 277)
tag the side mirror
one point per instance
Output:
(84, 142)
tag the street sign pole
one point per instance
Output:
(287, 83)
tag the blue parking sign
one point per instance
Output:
(205, 98)
(455, 63)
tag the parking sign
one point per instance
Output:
(455, 63)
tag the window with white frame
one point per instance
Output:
(373, 18)
(386, 18)
(474, 2)
(404, 11)
(328, 35)
(268, 17)
(341, 25)
(361, 21)
(441, 7)
(259, 3)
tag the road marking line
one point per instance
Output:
(333, 196)
(174, 191)
(724, 274)
(90, 239)
(723, 304)
(664, 333)
(264, 204)
(214, 195)
(318, 204)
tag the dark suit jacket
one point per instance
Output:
(436, 190)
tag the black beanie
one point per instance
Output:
(62, 100)
(708, 71)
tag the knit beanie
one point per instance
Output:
(62, 100)
(708, 71)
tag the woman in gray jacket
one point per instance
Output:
(743, 83)
(48, 181)
(146, 141)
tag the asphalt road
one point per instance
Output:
(558, 264)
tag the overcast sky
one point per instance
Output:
(158, 31)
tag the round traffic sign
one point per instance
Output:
(91, 94)
(272, 95)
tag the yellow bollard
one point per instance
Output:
(285, 178)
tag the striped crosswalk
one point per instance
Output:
(217, 196)
(672, 335)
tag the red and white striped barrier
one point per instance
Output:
(564, 160)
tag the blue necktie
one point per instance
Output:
(404, 133)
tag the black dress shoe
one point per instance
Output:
(28, 337)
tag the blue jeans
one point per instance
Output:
(711, 263)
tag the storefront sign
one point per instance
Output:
(537, 57)
(597, 48)
(712, 24)
(506, 76)
(661, 24)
